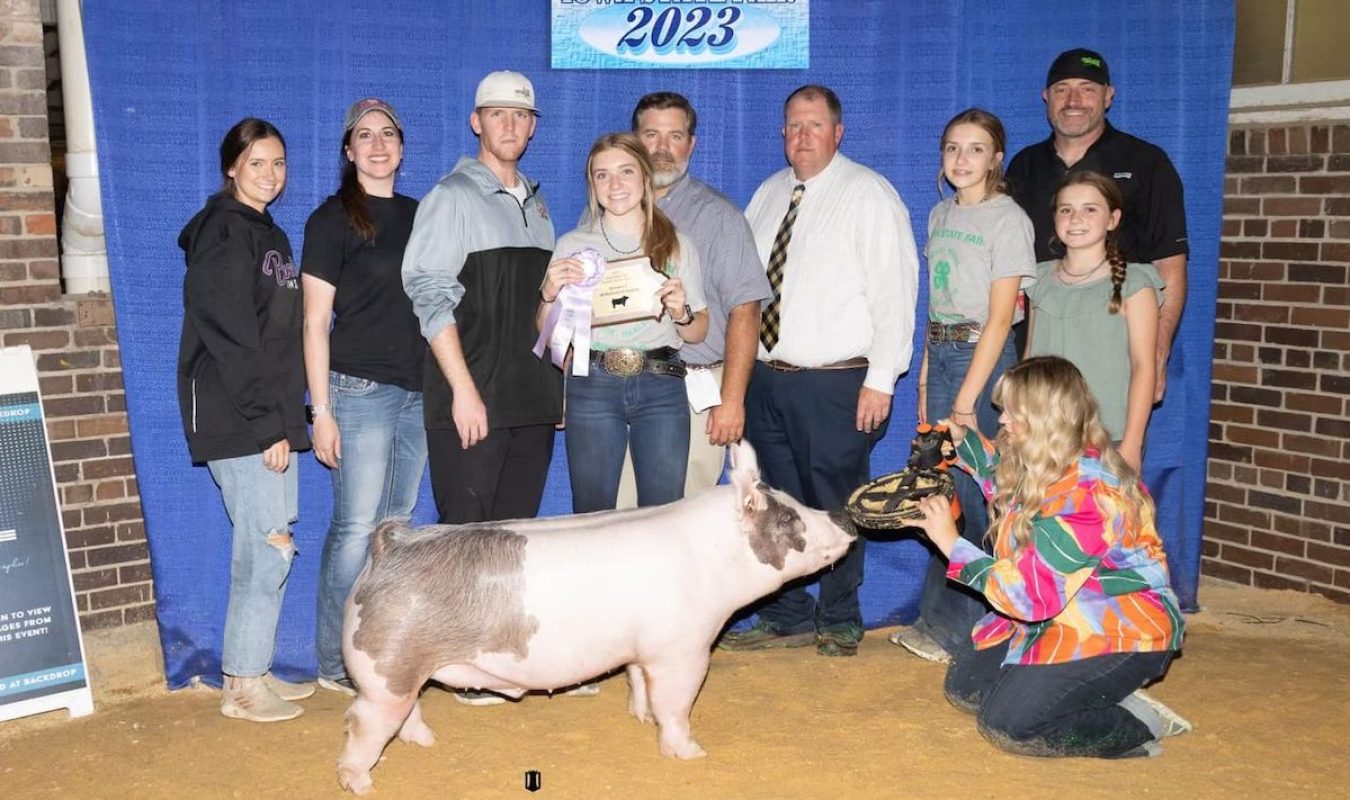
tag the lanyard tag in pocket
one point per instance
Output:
(702, 388)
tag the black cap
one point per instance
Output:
(1079, 63)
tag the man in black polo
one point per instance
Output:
(1077, 94)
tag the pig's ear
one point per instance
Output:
(745, 477)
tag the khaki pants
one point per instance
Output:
(705, 460)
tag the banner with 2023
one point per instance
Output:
(681, 34)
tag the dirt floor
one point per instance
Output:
(1263, 677)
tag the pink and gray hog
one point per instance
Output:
(547, 603)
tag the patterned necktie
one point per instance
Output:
(768, 324)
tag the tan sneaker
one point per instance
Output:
(287, 690)
(251, 699)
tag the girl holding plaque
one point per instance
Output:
(633, 396)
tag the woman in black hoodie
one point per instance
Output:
(241, 388)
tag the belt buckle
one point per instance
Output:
(625, 362)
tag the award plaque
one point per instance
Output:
(627, 292)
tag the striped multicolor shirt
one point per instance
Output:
(1087, 583)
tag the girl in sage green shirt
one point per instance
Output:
(1098, 312)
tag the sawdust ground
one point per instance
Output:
(1263, 677)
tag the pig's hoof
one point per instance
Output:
(686, 750)
(421, 735)
(642, 715)
(354, 781)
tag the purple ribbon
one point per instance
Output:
(569, 321)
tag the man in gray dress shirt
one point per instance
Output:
(733, 283)
(834, 338)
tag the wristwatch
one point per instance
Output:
(688, 316)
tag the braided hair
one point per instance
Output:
(1117, 262)
(1115, 201)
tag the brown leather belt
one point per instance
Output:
(629, 362)
(960, 332)
(848, 363)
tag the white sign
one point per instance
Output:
(681, 34)
(41, 651)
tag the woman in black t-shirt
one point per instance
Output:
(363, 359)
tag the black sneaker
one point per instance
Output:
(839, 640)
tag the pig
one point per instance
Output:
(546, 603)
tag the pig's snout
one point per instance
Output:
(844, 522)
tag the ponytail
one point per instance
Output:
(353, 199)
(659, 241)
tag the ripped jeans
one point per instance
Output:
(262, 505)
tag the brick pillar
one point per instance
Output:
(1276, 511)
(75, 340)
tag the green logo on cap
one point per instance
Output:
(1089, 61)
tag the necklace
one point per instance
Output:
(615, 247)
(1080, 277)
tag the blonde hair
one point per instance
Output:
(658, 234)
(1115, 201)
(1048, 400)
(994, 182)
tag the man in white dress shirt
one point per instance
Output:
(838, 332)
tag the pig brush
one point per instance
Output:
(892, 501)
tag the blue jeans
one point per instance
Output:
(803, 426)
(262, 505)
(947, 612)
(1068, 709)
(648, 415)
(384, 451)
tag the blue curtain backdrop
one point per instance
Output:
(170, 76)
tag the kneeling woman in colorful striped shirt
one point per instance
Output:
(1083, 612)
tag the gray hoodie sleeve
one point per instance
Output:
(434, 257)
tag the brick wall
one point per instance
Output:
(1276, 510)
(75, 341)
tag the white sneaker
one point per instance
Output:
(920, 644)
(479, 698)
(342, 685)
(287, 690)
(1173, 723)
(583, 690)
(251, 699)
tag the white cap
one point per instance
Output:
(505, 89)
